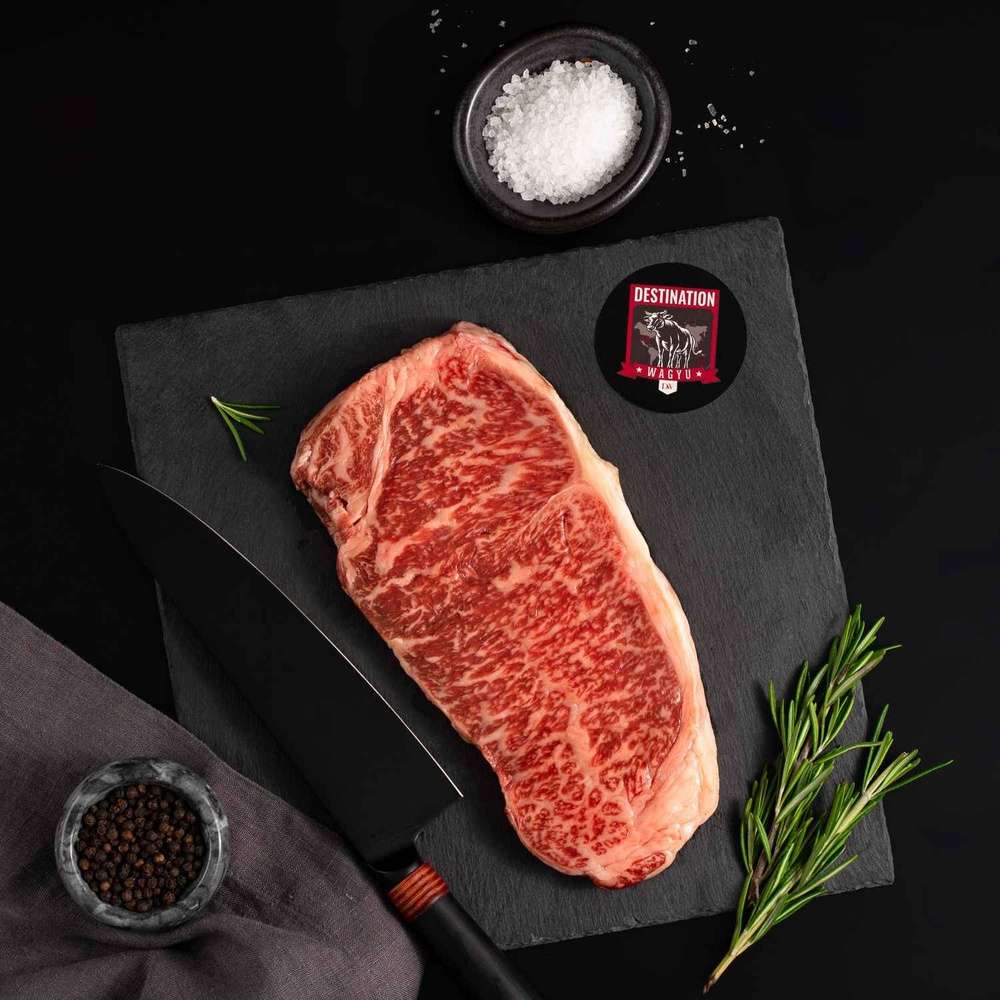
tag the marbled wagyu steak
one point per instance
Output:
(493, 550)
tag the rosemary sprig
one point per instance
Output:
(237, 413)
(790, 849)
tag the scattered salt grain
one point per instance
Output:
(753, 72)
(562, 134)
(692, 41)
(503, 24)
(434, 25)
(711, 110)
(437, 111)
(435, 12)
(678, 132)
(684, 172)
(442, 69)
(464, 46)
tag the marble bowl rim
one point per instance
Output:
(215, 826)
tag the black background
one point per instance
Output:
(190, 155)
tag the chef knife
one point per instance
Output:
(378, 781)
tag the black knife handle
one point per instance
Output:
(435, 916)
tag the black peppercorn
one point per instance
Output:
(140, 847)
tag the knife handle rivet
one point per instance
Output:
(417, 892)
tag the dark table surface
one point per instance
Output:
(187, 157)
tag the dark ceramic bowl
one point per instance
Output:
(215, 829)
(535, 53)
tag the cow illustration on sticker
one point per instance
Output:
(670, 337)
(674, 345)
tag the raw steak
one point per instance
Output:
(493, 550)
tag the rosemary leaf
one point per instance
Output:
(765, 843)
(238, 413)
(789, 847)
(234, 412)
(235, 433)
(241, 418)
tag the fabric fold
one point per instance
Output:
(295, 918)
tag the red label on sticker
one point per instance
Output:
(672, 335)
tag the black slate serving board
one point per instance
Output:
(731, 497)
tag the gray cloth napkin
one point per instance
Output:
(295, 917)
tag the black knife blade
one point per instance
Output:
(379, 782)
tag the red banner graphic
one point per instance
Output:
(631, 369)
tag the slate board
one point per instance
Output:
(731, 497)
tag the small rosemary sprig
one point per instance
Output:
(236, 413)
(789, 849)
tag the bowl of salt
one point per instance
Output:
(562, 129)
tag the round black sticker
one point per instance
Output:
(670, 338)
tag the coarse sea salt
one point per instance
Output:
(562, 134)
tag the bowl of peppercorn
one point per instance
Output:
(143, 844)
